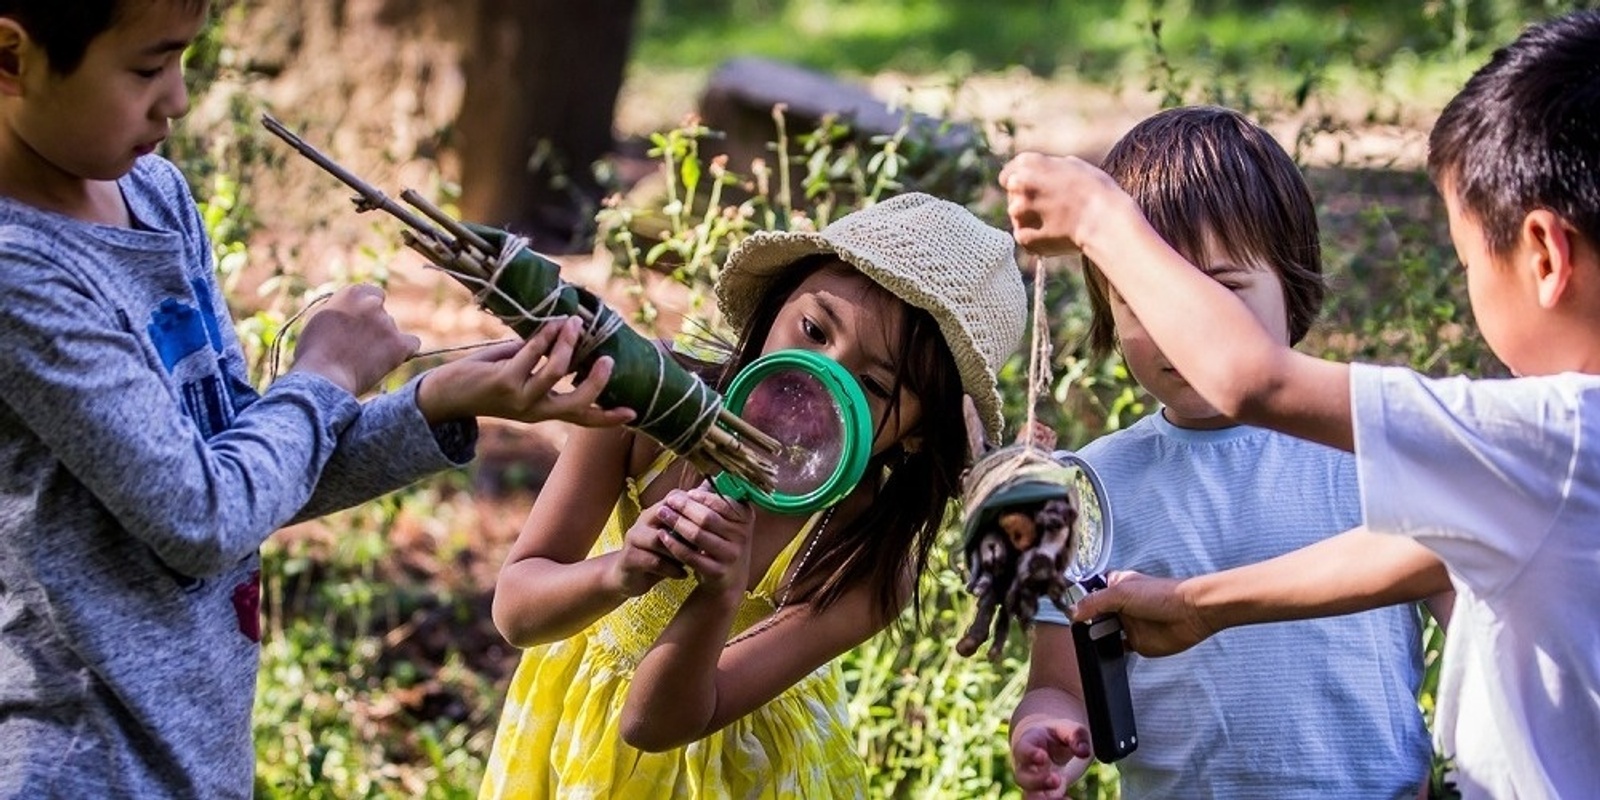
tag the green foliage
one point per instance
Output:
(1096, 40)
(707, 207)
(340, 712)
(345, 710)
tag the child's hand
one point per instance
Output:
(352, 341)
(710, 535)
(509, 381)
(1055, 201)
(1159, 618)
(1049, 757)
(643, 561)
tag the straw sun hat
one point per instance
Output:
(931, 253)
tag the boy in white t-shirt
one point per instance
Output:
(1498, 479)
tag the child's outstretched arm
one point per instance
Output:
(201, 498)
(431, 423)
(1061, 204)
(1049, 729)
(1355, 571)
(517, 381)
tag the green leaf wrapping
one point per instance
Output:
(671, 404)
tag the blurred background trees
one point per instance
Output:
(542, 78)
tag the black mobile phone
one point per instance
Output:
(1103, 668)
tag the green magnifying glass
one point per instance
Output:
(817, 412)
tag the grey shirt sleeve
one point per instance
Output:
(389, 446)
(80, 379)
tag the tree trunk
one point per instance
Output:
(542, 78)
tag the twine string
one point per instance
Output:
(598, 330)
(275, 351)
(1025, 459)
(456, 348)
(1039, 350)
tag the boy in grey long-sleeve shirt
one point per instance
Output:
(139, 471)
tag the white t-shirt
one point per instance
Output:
(1500, 478)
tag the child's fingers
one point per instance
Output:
(715, 515)
(596, 417)
(1068, 742)
(1106, 601)
(659, 562)
(1036, 775)
(689, 554)
(730, 511)
(580, 406)
(644, 563)
(557, 358)
(686, 528)
(501, 351)
(588, 390)
(1012, 175)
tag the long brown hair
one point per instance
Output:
(892, 540)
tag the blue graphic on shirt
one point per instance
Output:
(213, 330)
(179, 330)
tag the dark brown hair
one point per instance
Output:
(1203, 171)
(64, 28)
(890, 543)
(1524, 133)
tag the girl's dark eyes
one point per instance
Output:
(147, 73)
(811, 330)
(874, 388)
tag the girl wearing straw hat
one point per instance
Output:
(681, 644)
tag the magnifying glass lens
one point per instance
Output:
(798, 410)
(1088, 555)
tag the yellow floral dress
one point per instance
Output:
(559, 735)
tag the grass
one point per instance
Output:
(1093, 40)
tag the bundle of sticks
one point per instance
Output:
(1022, 510)
(524, 289)
(1017, 559)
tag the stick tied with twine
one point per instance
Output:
(693, 423)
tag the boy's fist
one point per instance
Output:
(1055, 201)
(352, 341)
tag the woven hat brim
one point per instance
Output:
(765, 255)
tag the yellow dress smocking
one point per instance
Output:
(559, 736)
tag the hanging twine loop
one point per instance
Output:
(1026, 460)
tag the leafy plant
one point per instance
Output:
(344, 709)
(706, 206)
